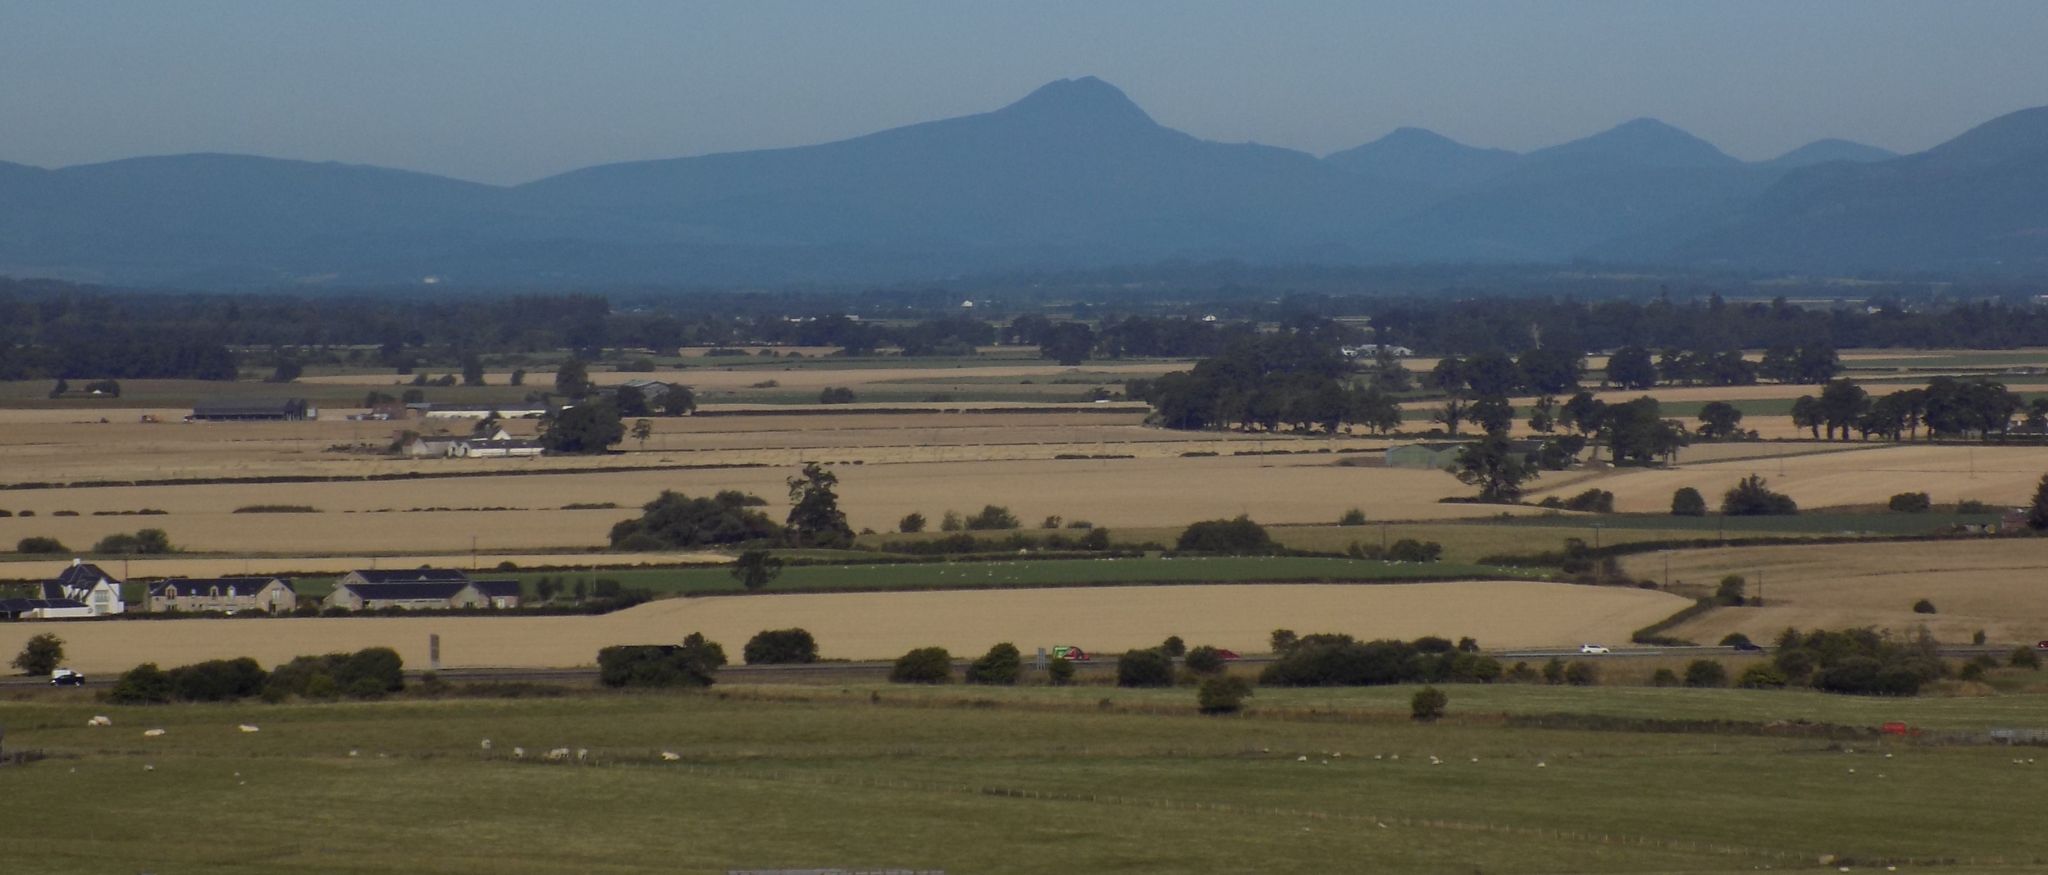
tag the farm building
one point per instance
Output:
(1427, 455)
(250, 409)
(41, 609)
(96, 592)
(439, 446)
(403, 575)
(272, 594)
(518, 410)
(420, 589)
(495, 448)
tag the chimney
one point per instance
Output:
(75, 560)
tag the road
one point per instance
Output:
(859, 672)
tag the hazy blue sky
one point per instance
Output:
(508, 91)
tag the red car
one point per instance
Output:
(1071, 653)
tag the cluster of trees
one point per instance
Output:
(693, 663)
(370, 673)
(1298, 378)
(1002, 665)
(1855, 661)
(674, 521)
(1567, 318)
(1948, 406)
(1327, 660)
(1632, 367)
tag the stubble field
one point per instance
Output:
(884, 625)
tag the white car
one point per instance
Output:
(1594, 649)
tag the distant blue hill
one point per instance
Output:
(1073, 175)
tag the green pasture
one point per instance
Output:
(996, 784)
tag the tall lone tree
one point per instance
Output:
(41, 655)
(1493, 466)
(754, 569)
(814, 515)
(2037, 513)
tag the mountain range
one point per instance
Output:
(1073, 175)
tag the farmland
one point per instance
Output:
(882, 625)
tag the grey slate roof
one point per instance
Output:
(411, 575)
(497, 589)
(229, 586)
(406, 591)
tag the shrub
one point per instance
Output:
(1910, 502)
(925, 665)
(1427, 705)
(1203, 660)
(1581, 673)
(1664, 677)
(1923, 606)
(276, 508)
(992, 517)
(1729, 593)
(144, 684)
(950, 522)
(1282, 640)
(1972, 506)
(38, 544)
(836, 395)
(220, 680)
(1752, 497)
(1763, 676)
(146, 541)
(780, 647)
(911, 523)
(1060, 671)
(1174, 647)
(1222, 694)
(1051, 522)
(1352, 517)
(2024, 657)
(1553, 671)
(1591, 500)
(366, 673)
(1734, 639)
(1412, 550)
(1144, 668)
(1238, 536)
(999, 666)
(1705, 673)
(708, 652)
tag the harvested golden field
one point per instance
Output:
(811, 377)
(378, 517)
(1996, 475)
(1989, 584)
(37, 449)
(884, 625)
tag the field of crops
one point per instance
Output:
(882, 625)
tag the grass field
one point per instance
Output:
(989, 789)
(1002, 573)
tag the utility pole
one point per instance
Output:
(1759, 587)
